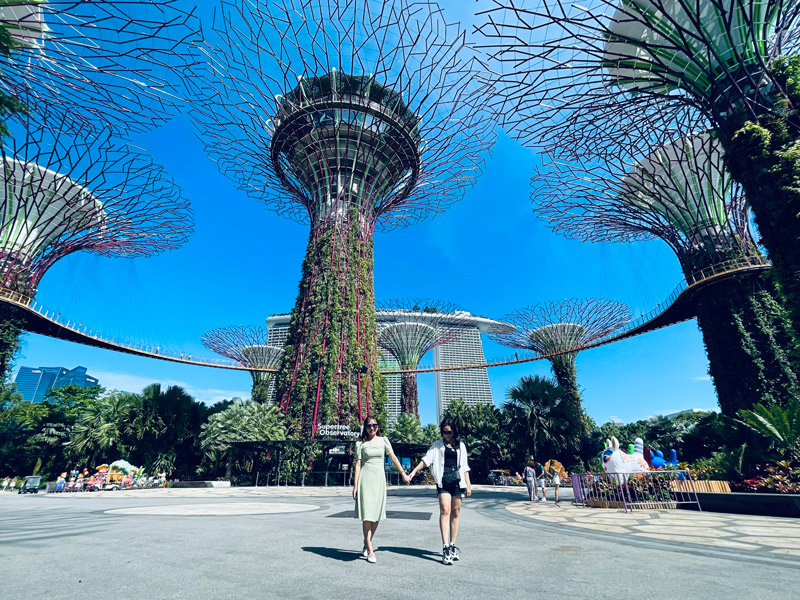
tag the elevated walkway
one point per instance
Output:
(678, 307)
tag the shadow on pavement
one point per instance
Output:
(334, 553)
(415, 552)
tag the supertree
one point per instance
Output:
(248, 346)
(410, 327)
(682, 194)
(64, 193)
(557, 331)
(98, 63)
(593, 77)
(350, 116)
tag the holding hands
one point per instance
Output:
(406, 478)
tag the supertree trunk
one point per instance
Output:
(329, 373)
(11, 322)
(409, 394)
(566, 375)
(260, 391)
(748, 337)
(767, 164)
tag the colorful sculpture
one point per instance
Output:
(616, 461)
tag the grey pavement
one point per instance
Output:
(302, 543)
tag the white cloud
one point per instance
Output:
(702, 378)
(136, 383)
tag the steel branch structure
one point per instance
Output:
(63, 193)
(558, 331)
(609, 66)
(350, 116)
(610, 78)
(410, 327)
(100, 63)
(247, 345)
(682, 194)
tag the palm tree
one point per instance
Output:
(407, 429)
(781, 426)
(536, 417)
(243, 421)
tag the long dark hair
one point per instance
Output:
(448, 422)
(364, 437)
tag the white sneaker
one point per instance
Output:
(544, 499)
(447, 557)
(364, 552)
(371, 559)
(455, 553)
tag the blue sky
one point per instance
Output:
(488, 253)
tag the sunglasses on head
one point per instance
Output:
(372, 426)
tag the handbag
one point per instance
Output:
(451, 477)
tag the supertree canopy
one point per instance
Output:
(681, 193)
(558, 331)
(351, 116)
(100, 63)
(589, 78)
(410, 328)
(65, 193)
(247, 345)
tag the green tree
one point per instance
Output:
(243, 421)
(407, 429)
(780, 425)
(535, 417)
(430, 433)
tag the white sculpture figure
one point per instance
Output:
(616, 461)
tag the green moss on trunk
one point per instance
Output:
(329, 373)
(748, 338)
(763, 154)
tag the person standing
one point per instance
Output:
(369, 482)
(447, 459)
(539, 474)
(530, 481)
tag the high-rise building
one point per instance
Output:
(472, 385)
(33, 384)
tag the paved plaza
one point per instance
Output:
(303, 543)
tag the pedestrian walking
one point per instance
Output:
(447, 459)
(6, 481)
(13, 483)
(530, 481)
(369, 483)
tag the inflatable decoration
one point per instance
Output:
(673, 458)
(631, 448)
(657, 460)
(616, 461)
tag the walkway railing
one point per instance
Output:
(654, 319)
(649, 490)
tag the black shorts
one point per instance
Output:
(453, 489)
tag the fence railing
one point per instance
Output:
(649, 490)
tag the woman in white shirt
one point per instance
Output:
(447, 459)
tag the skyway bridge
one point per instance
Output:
(678, 307)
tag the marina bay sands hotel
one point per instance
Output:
(472, 385)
